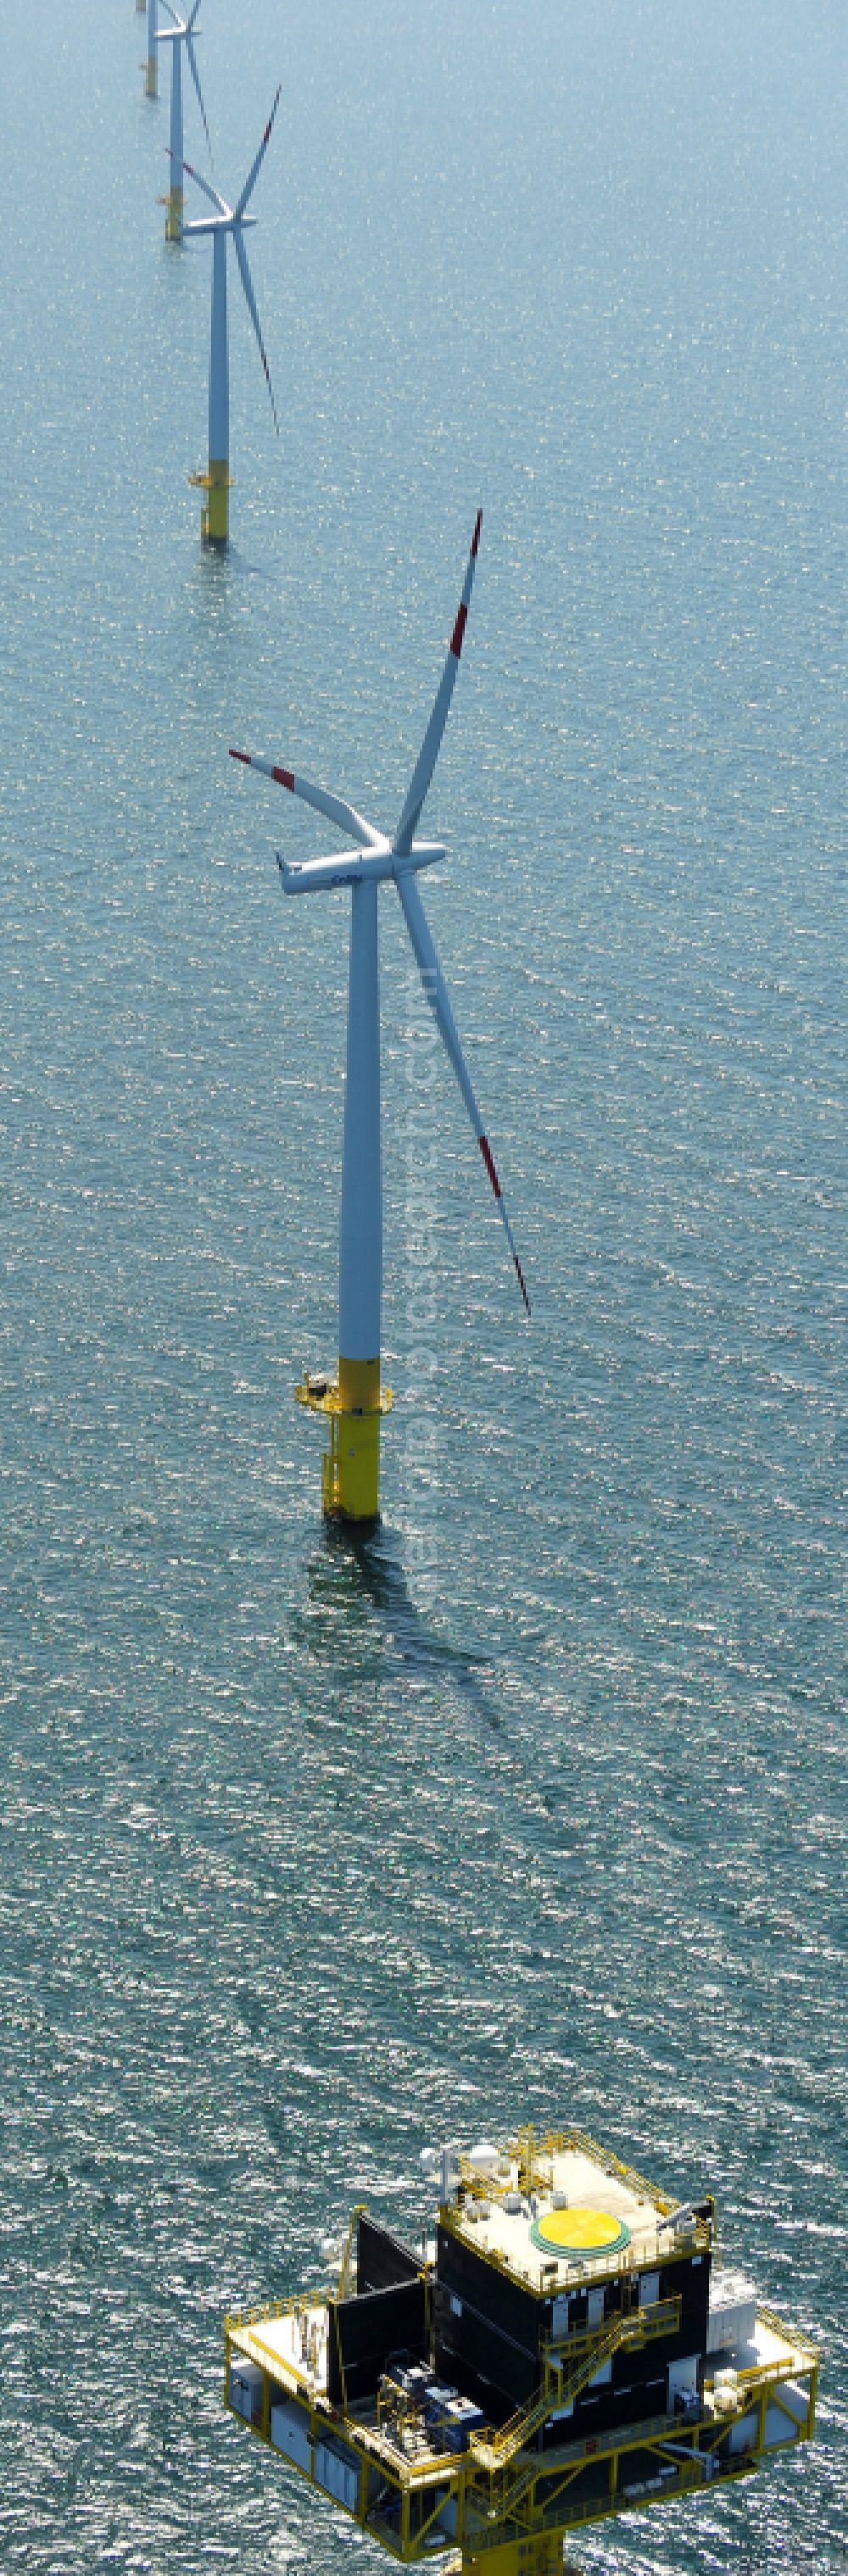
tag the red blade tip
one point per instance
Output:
(489, 1160)
(459, 631)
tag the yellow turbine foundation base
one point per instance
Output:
(353, 1405)
(215, 519)
(174, 217)
(215, 514)
(151, 76)
(351, 1468)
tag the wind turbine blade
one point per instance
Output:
(171, 13)
(253, 175)
(192, 64)
(207, 190)
(336, 808)
(436, 993)
(250, 301)
(191, 17)
(429, 751)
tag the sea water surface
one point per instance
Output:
(314, 1854)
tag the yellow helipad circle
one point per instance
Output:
(578, 2231)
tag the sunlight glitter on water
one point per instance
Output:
(300, 1876)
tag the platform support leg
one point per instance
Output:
(540, 2554)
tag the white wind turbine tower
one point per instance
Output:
(232, 221)
(354, 1403)
(179, 34)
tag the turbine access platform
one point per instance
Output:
(567, 2348)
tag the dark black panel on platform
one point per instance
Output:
(513, 2310)
(689, 2281)
(472, 2354)
(381, 2260)
(368, 2332)
(487, 2330)
(601, 2410)
(610, 2406)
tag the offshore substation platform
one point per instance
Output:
(567, 2348)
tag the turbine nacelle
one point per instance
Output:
(313, 876)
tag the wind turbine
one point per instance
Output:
(354, 1403)
(215, 515)
(150, 66)
(178, 35)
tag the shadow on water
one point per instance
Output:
(218, 574)
(241, 564)
(366, 1567)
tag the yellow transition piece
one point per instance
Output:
(352, 1481)
(215, 517)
